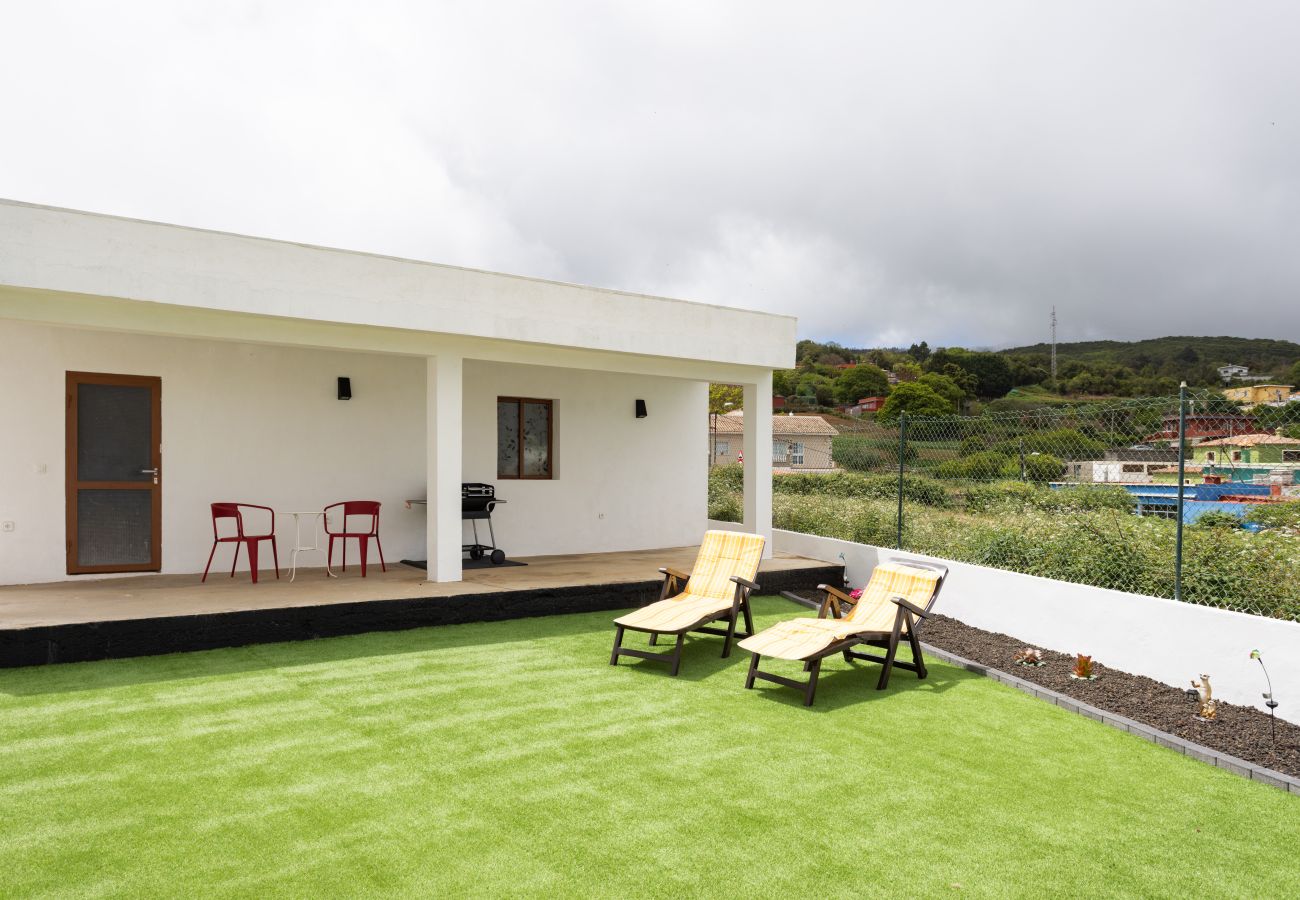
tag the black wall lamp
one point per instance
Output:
(345, 388)
(640, 409)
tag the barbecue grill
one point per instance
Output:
(477, 500)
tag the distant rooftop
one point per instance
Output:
(734, 423)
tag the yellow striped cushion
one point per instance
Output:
(709, 590)
(799, 638)
(875, 612)
(723, 554)
(674, 614)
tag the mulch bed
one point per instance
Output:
(1237, 730)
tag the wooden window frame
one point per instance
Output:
(550, 439)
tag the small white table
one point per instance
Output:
(318, 516)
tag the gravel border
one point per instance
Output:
(1215, 758)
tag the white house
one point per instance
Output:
(799, 443)
(150, 370)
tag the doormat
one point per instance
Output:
(466, 564)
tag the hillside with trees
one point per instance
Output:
(948, 380)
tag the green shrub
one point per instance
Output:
(1217, 519)
(1276, 515)
(972, 444)
(863, 487)
(1065, 443)
(859, 453)
(730, 477)
(1043, 467)
(727, 508)
(926, 491)
(983, 466)
(1024, 495)
(1074, 535)
(1015, 494)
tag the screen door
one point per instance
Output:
(114, 464)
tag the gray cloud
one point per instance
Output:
(887, 172)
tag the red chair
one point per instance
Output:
(356, 508)
(240, 537)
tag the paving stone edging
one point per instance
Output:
(1179, 745)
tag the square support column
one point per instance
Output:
(444, 395)
(758, 459)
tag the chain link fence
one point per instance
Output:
(1088, 494)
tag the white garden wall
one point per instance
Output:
(1166, 640)
(262, 423)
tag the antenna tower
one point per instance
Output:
(1053, 346)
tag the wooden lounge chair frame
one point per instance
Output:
(834, 605)
(674, 583)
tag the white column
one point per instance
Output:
(758, 459)
(443, 402)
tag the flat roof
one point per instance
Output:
(92, 254)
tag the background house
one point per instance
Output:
(1205, 427)
(1122, 466)
(865, 406)
(799, 443)
(1255, 394)
(1260, 458)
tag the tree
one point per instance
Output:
(724, 398)
(915, 399)
(960, 377)
(906, 370)
(991, 370)
(783, 382)
(945, 387)
(1294, 377)
(816, 388)
(919, 352)
(861, 381)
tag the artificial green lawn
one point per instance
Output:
(511, 759)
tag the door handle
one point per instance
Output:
(148, 471)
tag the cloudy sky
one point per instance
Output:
(888, 172)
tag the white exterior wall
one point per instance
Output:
(240, 422)
(262, 424)
(1166, 640)
(620, 483)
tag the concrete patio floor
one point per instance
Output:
(158, 596)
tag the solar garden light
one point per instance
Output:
(1268, 695)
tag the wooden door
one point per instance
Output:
(114, 468)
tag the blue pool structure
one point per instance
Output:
(1198, 499)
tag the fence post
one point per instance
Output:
(902, 448)
(1182, 466)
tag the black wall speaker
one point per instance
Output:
(640, 409)
(345, 388)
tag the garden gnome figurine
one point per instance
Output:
(1207, 699)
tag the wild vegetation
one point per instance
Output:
(1085, 534)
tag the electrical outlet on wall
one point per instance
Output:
(6, 526)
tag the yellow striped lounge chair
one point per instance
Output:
(717, 588)
(900, 594)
